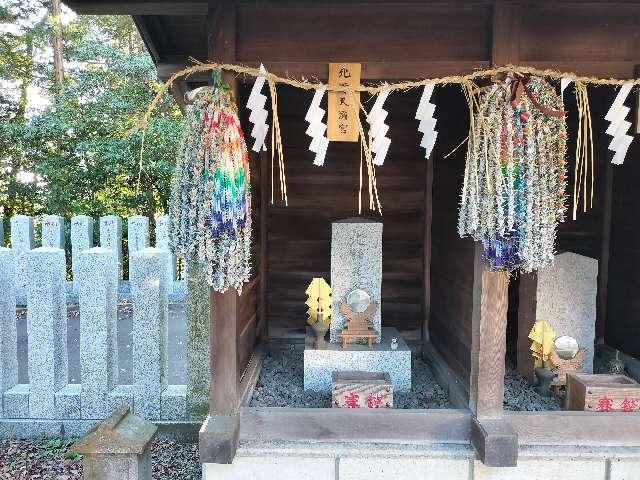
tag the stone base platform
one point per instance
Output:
(319, 363)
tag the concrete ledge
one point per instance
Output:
(219, 439)
(496, 442)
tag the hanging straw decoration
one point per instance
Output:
(276, 144)
(584, 152)
(515, 176)
(210, 205)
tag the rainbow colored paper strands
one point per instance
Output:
(210, 208)
(515, 181)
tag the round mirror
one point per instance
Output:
(358, 300)
(566, 347)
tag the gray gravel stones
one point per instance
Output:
(520, 395)
(281, 385)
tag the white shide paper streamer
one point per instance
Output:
(378, 129)
(258, 115)
(427, 125)
(618, 126)
(317, 128)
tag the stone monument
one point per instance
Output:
(356, 278)
(566, 298)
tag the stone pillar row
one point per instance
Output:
(53, 235)
(49, 395)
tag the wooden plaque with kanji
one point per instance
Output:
(342, 125)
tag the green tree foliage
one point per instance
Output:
(80, 146)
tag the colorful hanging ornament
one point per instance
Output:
(515, 177)
(210, 206)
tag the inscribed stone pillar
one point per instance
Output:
(53, 231)
(137, 233)
(47, 329)
(198, 309)
(21, 243)
(566, 298)
(1, 232)
(8, 337)
(356, 262)
(81, 240)
(162, 242)
(98, 281)
(150, 313)
(111, 237)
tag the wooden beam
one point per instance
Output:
(506, 30)
(426, 248)
(223, 397)
(488, 347)
(527, 300)
(603, 263)
(143, 29)
(94, 7)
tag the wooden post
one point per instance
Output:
(527, 300)
(218, 437)
(493, 437)
(428, 217)
(264, 249)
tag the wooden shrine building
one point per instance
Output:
(435, 290)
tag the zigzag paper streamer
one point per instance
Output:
(618, 126)
(564, 83)
(427, 125)
(378, 129)
(317, 129)
(258, 115)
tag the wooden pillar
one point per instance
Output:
(428, 217)
(493, 437)
(264, 248)
(218, 437)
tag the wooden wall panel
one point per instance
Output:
(586, 33)
(335, 33)
(299, 236)
(452, 258)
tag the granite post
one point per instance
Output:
(81, 240)
(47, 329)
(8, 336)
(21, 243)
(162, 242)
(150, 313)
(566, 298)
(198, 309)
(98, 279)
(111, 237)
(356, 262)
(1, 231)
(53, 231)
(137, 233)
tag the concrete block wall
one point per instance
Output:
(414, 462)
(39, 275)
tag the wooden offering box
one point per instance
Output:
(602, 393)
(361, 390)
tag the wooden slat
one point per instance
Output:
(527, 300)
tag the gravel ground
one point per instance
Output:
(281, 384)
(52, 460)
(520, 395)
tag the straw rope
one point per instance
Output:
(373, 89)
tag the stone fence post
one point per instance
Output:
(21, 243)
(137, 234)
(8, 339)
(81, 240)
(150, 313)
(111, 237)
(98, 280)
(53, 231)
(47, 329)
(162, 242)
